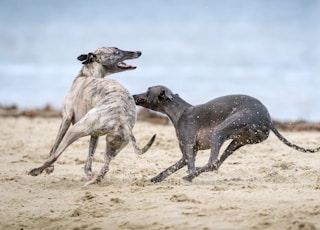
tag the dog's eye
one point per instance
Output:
(116, 51)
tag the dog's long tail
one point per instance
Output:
(288, 143)
(137, 149)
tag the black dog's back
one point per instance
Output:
(219, 109)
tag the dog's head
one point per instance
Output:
(156, 98)
(111, 58)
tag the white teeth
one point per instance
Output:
(122, 64)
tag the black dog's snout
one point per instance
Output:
(139, 53)
(137, 99)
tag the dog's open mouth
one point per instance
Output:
(123, 65)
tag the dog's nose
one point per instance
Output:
(137, 99)
(139, 53)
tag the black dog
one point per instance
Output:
(241, 118)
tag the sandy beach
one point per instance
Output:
(263, 186)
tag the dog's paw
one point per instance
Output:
(49, 169)
(156, 179)
(93, 180)
(215, 165)
(90, 182)
(35, 172)
(90, 176)
(188, 177)
(89, 173)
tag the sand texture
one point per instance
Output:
(263, 186)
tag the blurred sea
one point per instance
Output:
(200, 49)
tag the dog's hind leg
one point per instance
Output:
(92, 149)
(105, 168)
(233, 146)
(116, 140)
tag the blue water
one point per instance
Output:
(200, 49)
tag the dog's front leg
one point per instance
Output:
(189, 151)
(73, 134)
(173, 168)
(65, 124)
(98, 178)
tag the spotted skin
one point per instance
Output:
(241, 118)
(96, 106)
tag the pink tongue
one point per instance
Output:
(124, 65)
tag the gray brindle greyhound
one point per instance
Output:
(241, 118)
(96, 106)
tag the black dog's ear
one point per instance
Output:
(165, 94)
(87, 58)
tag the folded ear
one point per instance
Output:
(87, 58)
(82, 57)
(166, 94)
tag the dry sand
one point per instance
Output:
(264, 186)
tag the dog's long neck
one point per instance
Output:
(176, 108)
(95, 70)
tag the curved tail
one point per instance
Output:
(288, 143)
(137, 149)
